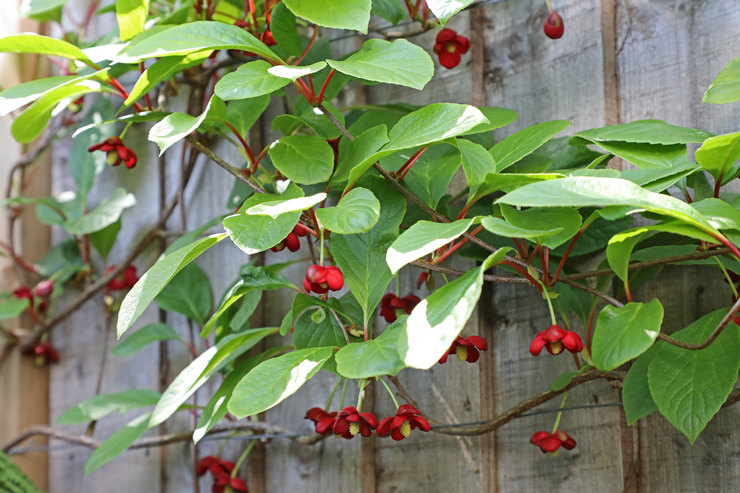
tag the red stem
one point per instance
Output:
(308, 48)
(524, 273)
(325, 85)
(519, 247)
(565, 256)
(456, 246)
(407, 166)
(247, 149)
(146, 96)
(717, 185)
(310, 81)
(546, 265)
(18, 260)
(306, 92)
(729, 245)
(254, 14)
(534, 252)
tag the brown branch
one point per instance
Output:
(454, 272)
(236, 172)
(524, 406)
(717, 331)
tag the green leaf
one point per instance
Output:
(131, 15)
(494, 182)
(435, 322)
(117, 443)
(316, 326)
(274, 380)
(188, 293)
(391, 62)
(726, 87)
(619, 249)
(645, 131)
(422, 238)
(659, 179)
(285, 30)
(372, 358)
(563, 381)
(500, 227)
(357, 212)
(35, 8)
(255, 233)
(636, 398)
(106, 213)
(390, 10)
(305, 159)
(362, 148)
(143, 337)
(276, 208)
(104, 239)
(497, 118)
(689, 387)
(293, 73)
(603, 192)
(362, 256)
(566, 219)
(647, 155)
(477, 163)
(177, 126)
(193, 37)
(524, 142)
(203, 368)
(244, 113)
(156, 278)
(161, 70)
(718, 155)
(250, 80)
(444, 9)
(20, 95)
(622, 334)
(431, 175)
(12, 308)
(43, 45)
(102, 405)
(347, 14)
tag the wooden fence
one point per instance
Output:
(619, 61)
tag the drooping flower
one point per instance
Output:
(554, 27)
(215, 465)
(551, 442)
(450, 46)
(323, 421)
(117, 152)
(407, 418)
(322, 279)
(555, 339)
(467, 349)
(224, 480)
(124, 280)
(291, 242)
(23, 293)
(45, 353)
(351, 422)
(44, 288)
(391, 306)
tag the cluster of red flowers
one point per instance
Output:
(125, 280)
(391, 306)
(349, 422)
(291, 242)
(321, 279)
(116, 151)
(550, 442)
(221, 470)
(555, 339)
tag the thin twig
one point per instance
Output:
(236, 172)
(717, 331)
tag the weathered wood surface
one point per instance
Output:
(666, 54)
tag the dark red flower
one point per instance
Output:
(291, 242)
(322, 279)
(23, 293)
(215, 465)
(407, 418)
(350, 422)
(391, 306)
(45, 353)
(467, 349)
(323, 421)
(554, 339)
(124, 280)
(117, 152)
(551, 442)
(224, 480)
(44, 288)
(450, 46)
(554, 25)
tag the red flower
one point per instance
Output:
(117, 152)
(323, 421)
(24, 293)
(266, 37)
(350, 422)
(466, 349)
(554, 25)
(44, 288)
(322, 279)
(334, 143)
(450, 46)
(45, 353)
(215, 465)
(407, 418)
(125, 280)
(291, 242)
(391, 306)
(236, 484)
(554, 339)
(551, 442)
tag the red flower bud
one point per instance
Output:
(555, 339)
(44, 288)
(551, 442)
(554, 27)
(323, 279)
(117, 152)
